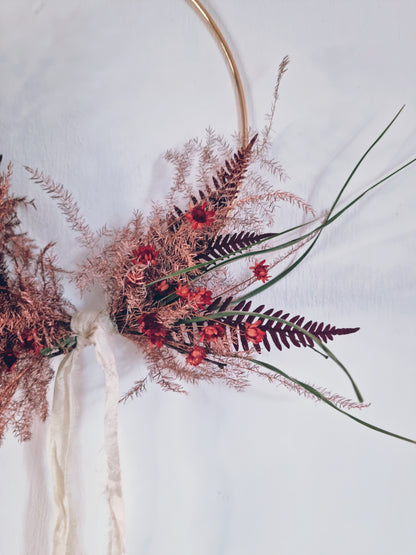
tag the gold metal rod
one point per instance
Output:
(219, 37)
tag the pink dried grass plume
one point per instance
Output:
(33, 317)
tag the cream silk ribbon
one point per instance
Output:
(91, 328)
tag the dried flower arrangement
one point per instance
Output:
(34, 317)
(168, 280)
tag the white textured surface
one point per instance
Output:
(93, 93)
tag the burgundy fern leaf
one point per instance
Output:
(228, 244)
(226, 185)
(281, 334)
(225, 304)
(228, 181)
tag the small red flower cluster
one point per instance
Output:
(161, 286)
(31, 342)
(184, 291)
(155, 331)
(199, 216)
(212, 332)
(145, 255)
(254, 333)
(142, 256)
(260, 271)
(209, 334)
(196, 356)
(200, 298)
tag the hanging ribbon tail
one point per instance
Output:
(91, 328)
(65, 539)
(107, 362)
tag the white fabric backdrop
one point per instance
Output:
(93, 92)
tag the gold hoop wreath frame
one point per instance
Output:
(94, 93)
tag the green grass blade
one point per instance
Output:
(290, 268)
(369, 149)
(338, 214)
(321, 397)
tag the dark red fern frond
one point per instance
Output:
(281, 334)
(219, 304)
(229, 179)
(228, 244)
(226, 185)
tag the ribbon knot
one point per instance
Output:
(86, 324)
(91, 328)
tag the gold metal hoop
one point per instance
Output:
(219, 37)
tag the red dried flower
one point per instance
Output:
(157, 336)
(202, 297)
(199, 298)
(147, 321)
(161, 286)
(145, 255)
(260, 271)
(253, 333)
(154, 330)
(184, 291)
(212, 332)
(198, 216)
(196, 356)
(32, 342)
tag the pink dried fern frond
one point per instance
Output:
(33, 316)
(271, 115)
(277, 196)
(66, 203)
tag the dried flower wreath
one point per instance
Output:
(179, 284)
(168, 280)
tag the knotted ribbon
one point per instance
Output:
(91, 328)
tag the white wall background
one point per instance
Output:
(93, 92)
